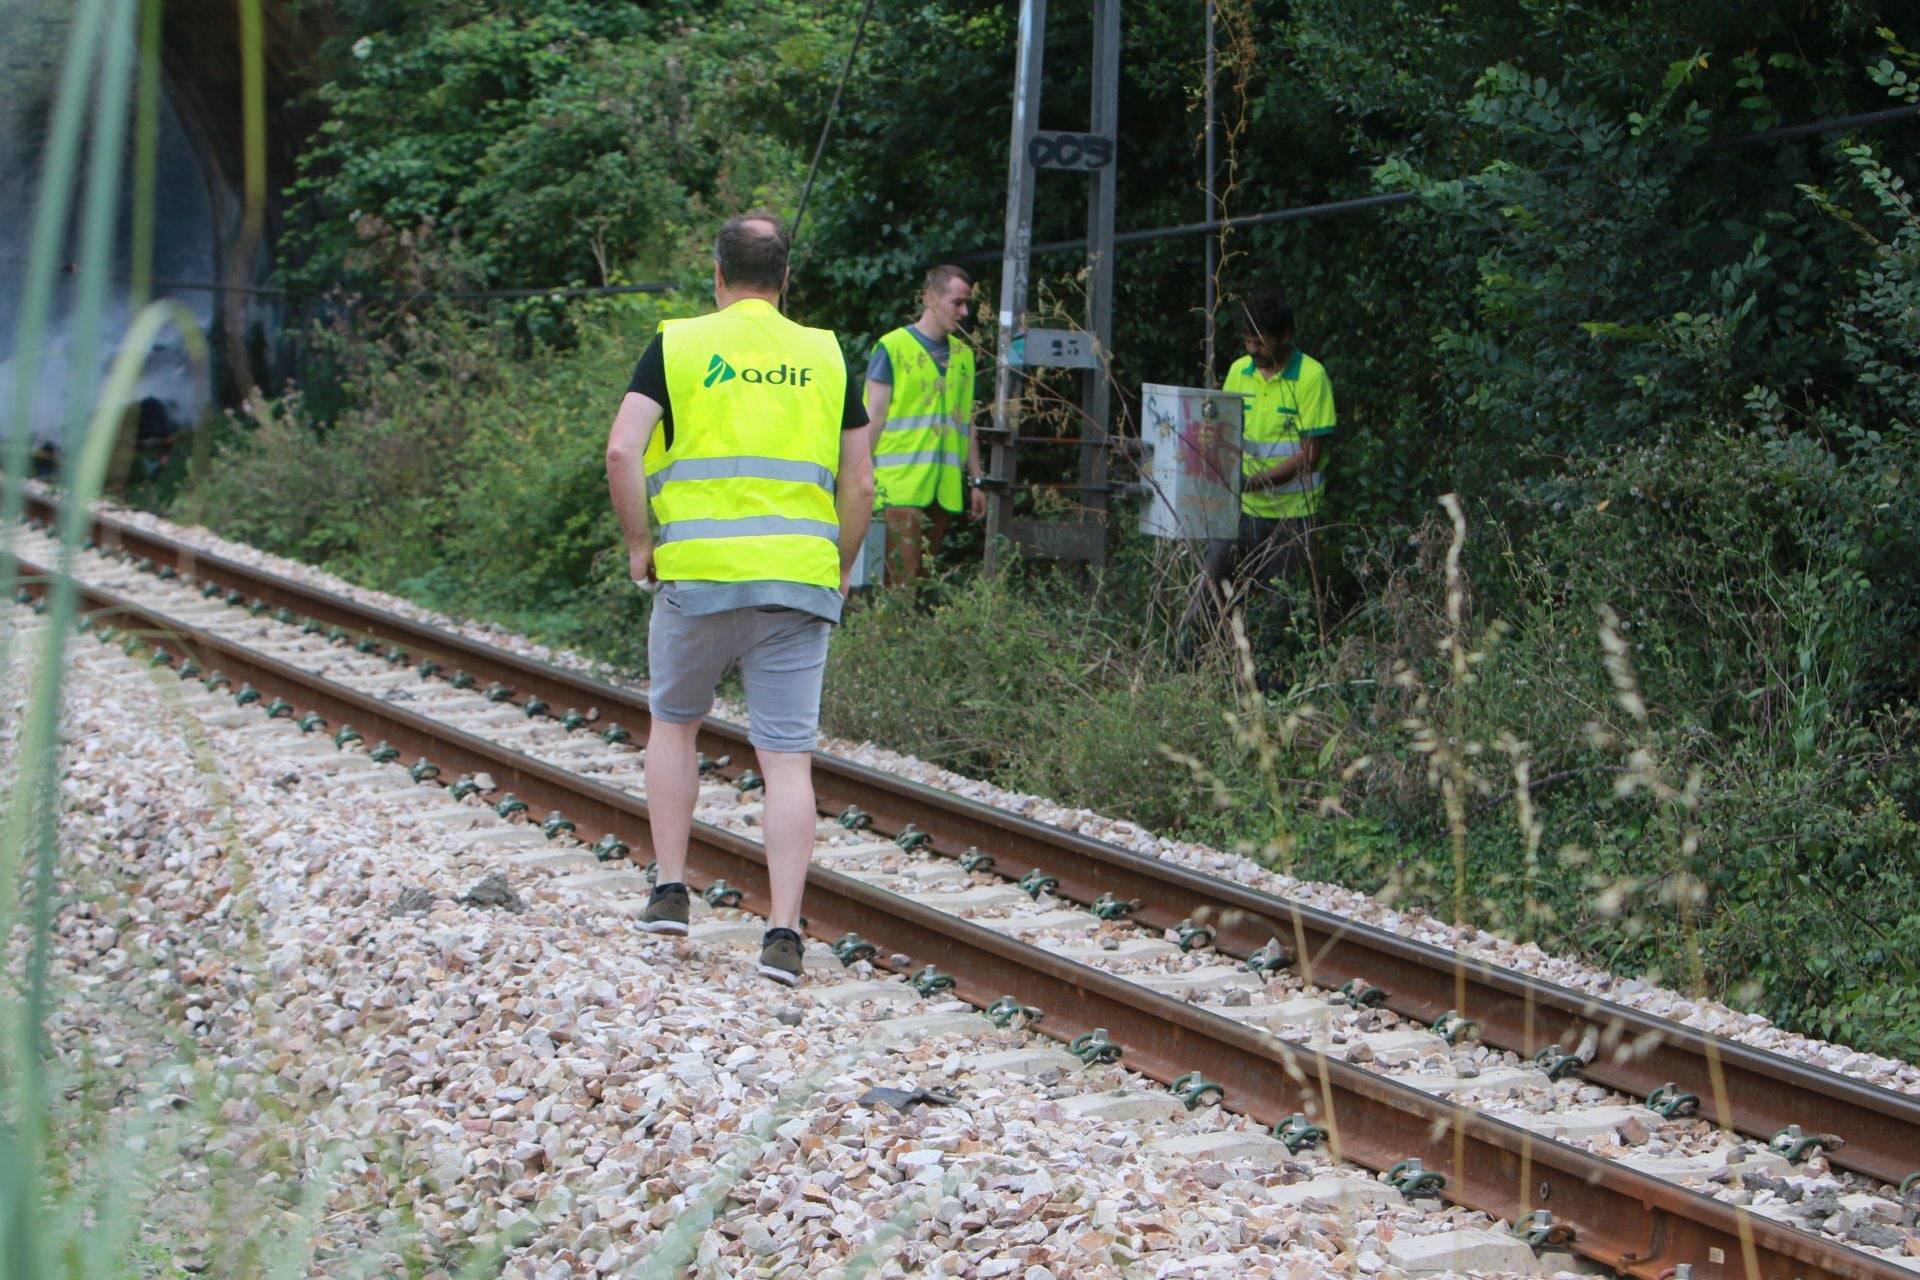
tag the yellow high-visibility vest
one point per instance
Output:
(1296, 402)
(745, 493)
(922, 455)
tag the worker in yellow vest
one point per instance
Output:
(920, 402)
(745, 434)
(1287, 429)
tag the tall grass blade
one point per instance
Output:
(54, 200)
(23, 1249)
(38, 793)
(146, 151)
(32, 809)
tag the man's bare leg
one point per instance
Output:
(673, 784)
(903, 544)
(787, 822)
(937, 517)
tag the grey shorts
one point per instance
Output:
(781, 653)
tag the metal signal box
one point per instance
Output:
(1192, 469)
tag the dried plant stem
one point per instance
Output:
(1678, 810)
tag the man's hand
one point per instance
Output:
(977, 504)
(846, 581)
(627, 480)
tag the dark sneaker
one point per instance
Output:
(780, 956)
(666, 910)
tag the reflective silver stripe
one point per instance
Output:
(925, 457)
(748, 527)
(741, 469)
(1301, 484)
(919, 422)
(1270, 448)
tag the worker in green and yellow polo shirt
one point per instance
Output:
(743, 435)
(1287, 425)
(926, 461)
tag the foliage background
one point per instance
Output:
(1674, 380)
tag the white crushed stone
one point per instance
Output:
(1571, 1111)
(598, 1101)
(1710, 1016)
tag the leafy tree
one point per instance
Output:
(549, 141)
(1670, 377)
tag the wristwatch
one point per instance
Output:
(976, 482)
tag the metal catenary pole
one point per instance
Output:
(1096, 384)
(1013, 277)
(1213, 245)
(1091, 154)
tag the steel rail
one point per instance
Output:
(1740, 1087)
(1637, 1224)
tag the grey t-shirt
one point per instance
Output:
(880, 364)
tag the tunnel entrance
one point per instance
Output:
(201, 254)
(172, 394)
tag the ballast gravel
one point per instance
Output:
(1572, 1111)
(1710, 1016)
(272, 983)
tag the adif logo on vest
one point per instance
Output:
(781, 375)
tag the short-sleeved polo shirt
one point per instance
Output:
(1279, 411)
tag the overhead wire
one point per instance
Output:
(833, 110)
(1783, 133)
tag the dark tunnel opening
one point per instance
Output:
(202, 254)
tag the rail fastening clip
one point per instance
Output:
(1538, 1230)
(1193, 1088)
(1269, 959)
(1299, 1133)
(1193, 936)
(1093, 1047)
(1003, 1011)
(851, 947)
(1797, 1146)
(929, 980)
(1415, 1180)
(1361, 996)
(1558, 1065)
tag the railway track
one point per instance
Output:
(1622, 1217)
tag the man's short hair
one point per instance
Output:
(1266, 313)
(943, 275)
(752, 251)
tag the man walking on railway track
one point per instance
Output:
(744, 433)
(1287, 426)
(920, 401)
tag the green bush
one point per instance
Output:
(963, 684)
(1109, 750)
(1003, 680)
(1738, 816)
(373, 489)
(1708, 431)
